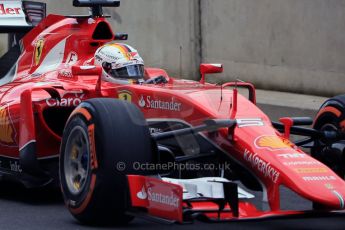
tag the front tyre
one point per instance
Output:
(102, 140)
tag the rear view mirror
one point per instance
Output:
(209, 69)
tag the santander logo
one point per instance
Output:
(142, 195)
(9, 11)
(169, 199)
(142, 103)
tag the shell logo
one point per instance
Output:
(7, 132)
(273, 143)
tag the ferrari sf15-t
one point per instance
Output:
(167, 149)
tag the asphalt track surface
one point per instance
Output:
(21, 208)
(43, 209)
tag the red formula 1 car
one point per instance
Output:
(167, 149)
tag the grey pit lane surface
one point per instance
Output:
(44, 209)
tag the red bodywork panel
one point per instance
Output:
(160, 198)
(55, 73)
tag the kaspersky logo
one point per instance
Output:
(158, 197)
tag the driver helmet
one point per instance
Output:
(121, 63)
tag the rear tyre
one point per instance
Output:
(101, 141)
(331, 117)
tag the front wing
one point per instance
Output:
(206, 199)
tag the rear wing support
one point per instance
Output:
(96, 5)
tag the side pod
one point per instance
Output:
(27, 138)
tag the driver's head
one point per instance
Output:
(121, 63)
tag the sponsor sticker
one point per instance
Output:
(329, 186)
(261, 165)
(311, 170)
(11, 9)
(7, 131)
(66, 102)
(39, 45)
(295, 163)
(65, 74)
(157, 197)
(292, 155)
(247, 122)
(155, 130)
(319, 178)
(15, 166)
(142, 195)
(72, 58)
(125, 95)
(149, 102)
(273, 143)
(11, 13)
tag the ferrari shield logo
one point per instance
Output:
(125, 95)
(38, 51)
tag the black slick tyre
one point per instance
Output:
(102, 140)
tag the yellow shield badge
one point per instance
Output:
(38, 50)
(125, 95)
